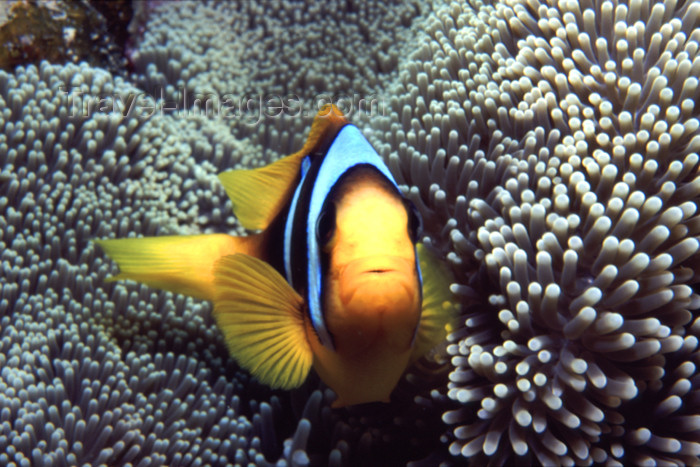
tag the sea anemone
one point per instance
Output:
(93, 374)
(553, 148)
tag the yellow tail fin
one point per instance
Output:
(182, 264)
(261, 317)
(258, 195)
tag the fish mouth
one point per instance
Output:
(380, 276)
(378, 265)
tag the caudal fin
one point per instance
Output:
(182, 264)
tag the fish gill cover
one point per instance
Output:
(551, 147)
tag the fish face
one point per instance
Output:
(372, 290)
(373, 302)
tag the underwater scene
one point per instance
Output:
(347, 233)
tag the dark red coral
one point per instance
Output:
(70, 31)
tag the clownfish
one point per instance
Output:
(334, 280)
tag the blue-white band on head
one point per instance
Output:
(349, 149)
(289, 224)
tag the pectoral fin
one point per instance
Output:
(439, 305)
(258, 195)
(261, 317)
(182, 264)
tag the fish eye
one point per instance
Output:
(415, 221)
(325, 225)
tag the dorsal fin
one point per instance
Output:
(258, 195)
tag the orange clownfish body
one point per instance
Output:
(334, 280)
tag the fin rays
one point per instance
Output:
(258, 195)
(178, 263)
(261, 318)
(439, 307)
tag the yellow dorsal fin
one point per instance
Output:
(440, 308)
(182, 263)
(261, 318)
(258, 195)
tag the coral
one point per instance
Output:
(31, 31)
